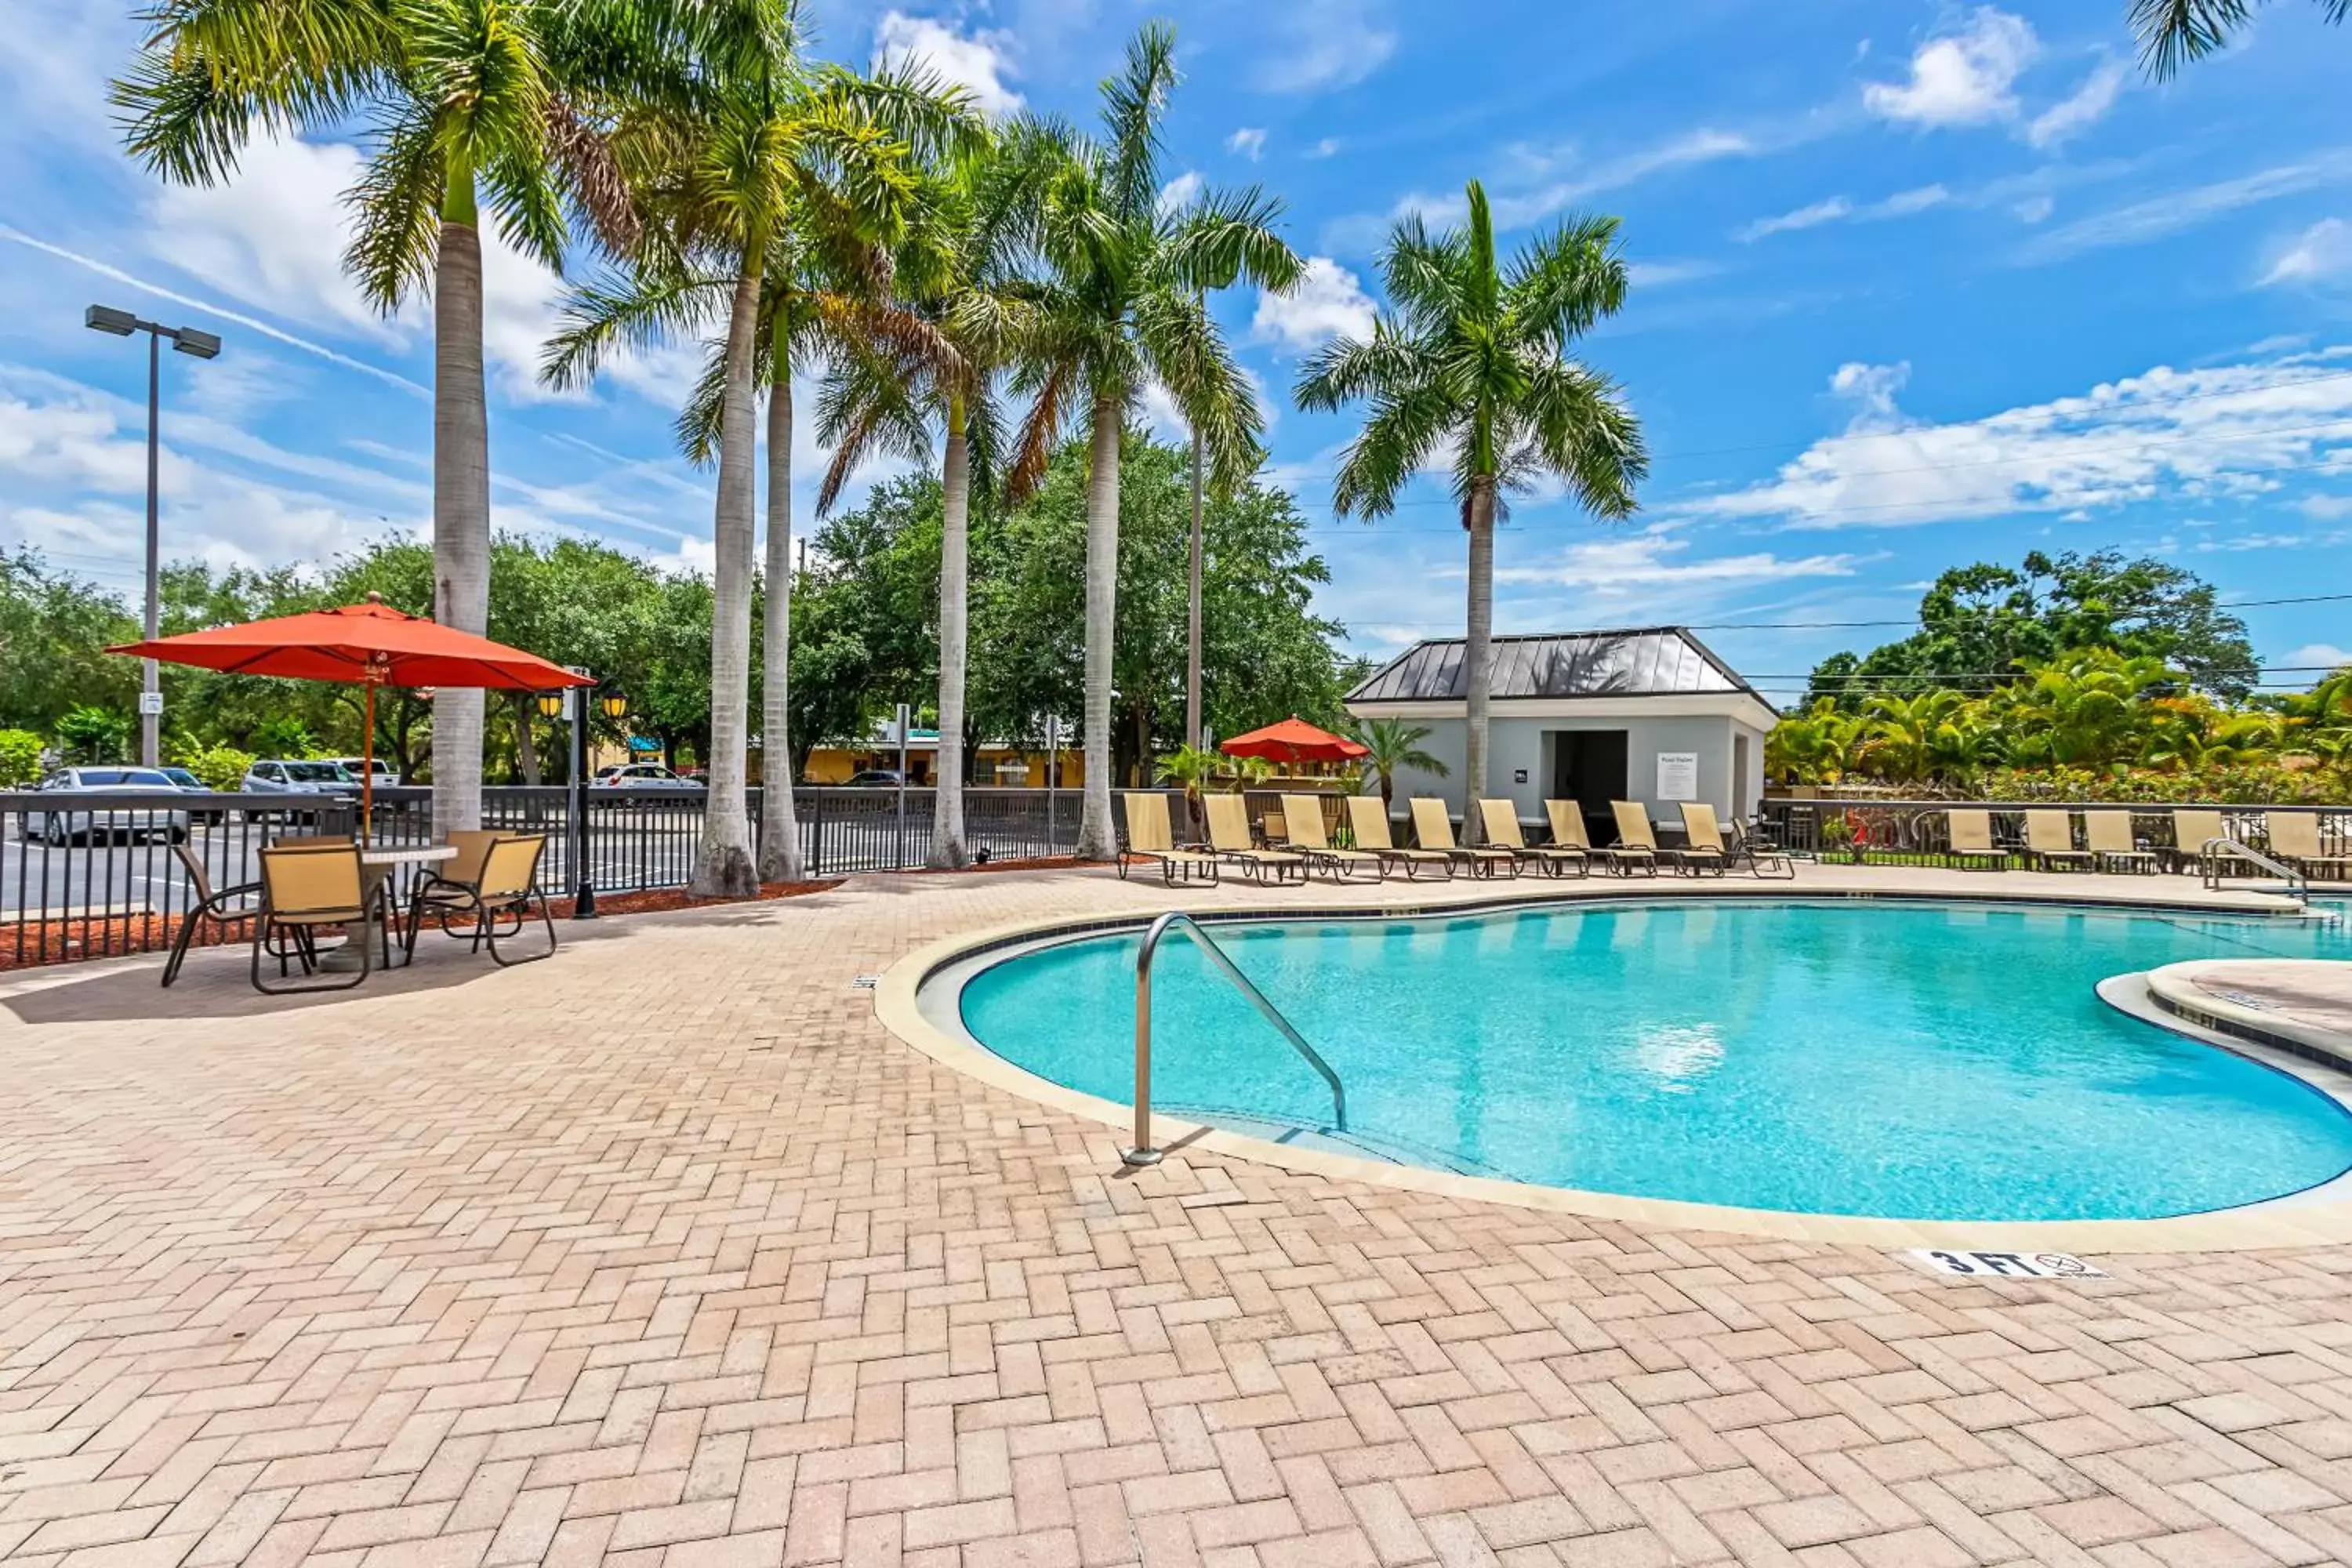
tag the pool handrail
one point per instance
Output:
(1145, 1152)
(2216, 850)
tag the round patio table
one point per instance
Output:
(376, 865)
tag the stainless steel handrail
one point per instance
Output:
(1145, 1152)
(2213, 850)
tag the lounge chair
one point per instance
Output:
(1368, 819)
(1699, 824)
(303, 889)
(1502, 820)
(1151, 838)
(2294, 838)
(1704, 844)
(1302, 821)
(2191, 831)
(1567, 832)
(1971, 840)
(1229, 835)
(2109, 835)
(1634, 832)
(1433, 828)
(2049, 841)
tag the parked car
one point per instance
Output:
(190, 784)
(875, 778)
(642, 779)
(63, 824)
(386, 777)
(291, 776)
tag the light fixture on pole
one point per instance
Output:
(613, 703)
(196, 345)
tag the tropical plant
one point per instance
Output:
(779, 183)
(20, 758)
(468, 98)
(1816, 746)
(2174, 32)
(1192, 768)
(90, 733)
(1394, 743)
(1121, 304)
(1248, 772)
(1470, 365)
(936, 358)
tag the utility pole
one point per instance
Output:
(197, 346)
(1193, 609)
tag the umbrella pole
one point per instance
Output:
(367, 765)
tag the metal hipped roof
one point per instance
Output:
(1645, 661)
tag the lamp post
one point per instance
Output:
(613, 703)
(197, 346)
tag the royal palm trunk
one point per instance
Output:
(780, 834)
(955, 540)
(1478, 653)
(461, 499)
(1095, 840)
(725, 870)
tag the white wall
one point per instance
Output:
(1514, 744)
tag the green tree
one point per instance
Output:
(20, 758)
(1120, 305)
(2174, 32)
(90, 733)
(467, 99)
(54, 630)
(1394, 743)
(1472, 364)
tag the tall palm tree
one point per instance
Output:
(781, 176)
(1122, 304)
(937, 357)
(467, 99)
(2174, 32)
(1470, 365)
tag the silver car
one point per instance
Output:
(297, 776)
(64, 823)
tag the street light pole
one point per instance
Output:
(1193, 604)
(196, 345)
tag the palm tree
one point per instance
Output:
(2174, 32)
(782, 179)
(1122, 304)
(937, 357)
(1192, 767)
(468, 98)
(1394, 743)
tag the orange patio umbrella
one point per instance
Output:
(372, 644)
(1294, 741)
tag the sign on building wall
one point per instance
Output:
(1677, 775)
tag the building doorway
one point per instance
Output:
(1740, 802)
(1588, 767)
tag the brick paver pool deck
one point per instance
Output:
(663, 1251)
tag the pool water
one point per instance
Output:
(1914, 1061)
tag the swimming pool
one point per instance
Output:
(1899, 1060)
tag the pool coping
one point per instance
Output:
(2295, 1220)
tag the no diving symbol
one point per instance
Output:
(1990, 1265)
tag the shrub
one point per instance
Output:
(2236, 783)
(88, 733)
(282, 737)
(20, 758)
(218, 767)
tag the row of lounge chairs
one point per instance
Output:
(2109, 846)
(1307, 848)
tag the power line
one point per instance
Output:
(1847, 626)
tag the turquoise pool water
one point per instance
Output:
(1915, 1060)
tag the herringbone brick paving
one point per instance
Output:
(664, 1252)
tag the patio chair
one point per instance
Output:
(2109, 836)
(2191, 831)
(210, 905)
(1699, 824)
(2294, 838)
(305, 888)
(1150, 836)
(1367, 819)
(1433, 828)
(1229, 837)
(1502, 819)
(1302, 817)
(2049, 841)
(1568, 833)
(504, 888)
(463, 873)
(1971, 840)
(1636, 834)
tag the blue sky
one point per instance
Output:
(1915, 285)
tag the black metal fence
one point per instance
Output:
(1913, 832)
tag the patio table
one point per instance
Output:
(376, 866)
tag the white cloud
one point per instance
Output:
(1325, 148)
(1838, 210)
(274, 236)
(1661, 274)
(2320, 252)
(1542, 195)
(1962, 77)
(2327, 509)
(2213, 432)
(978, 64)
(2319, 655)
(2140, 222)
(1320, 44)
(2034, 209)
(1610, 565)
(1328, 302)
(1870, 388)
(2086, 106)
(1180, 192)
(1249, 141)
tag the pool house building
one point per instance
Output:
(1649, 714)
